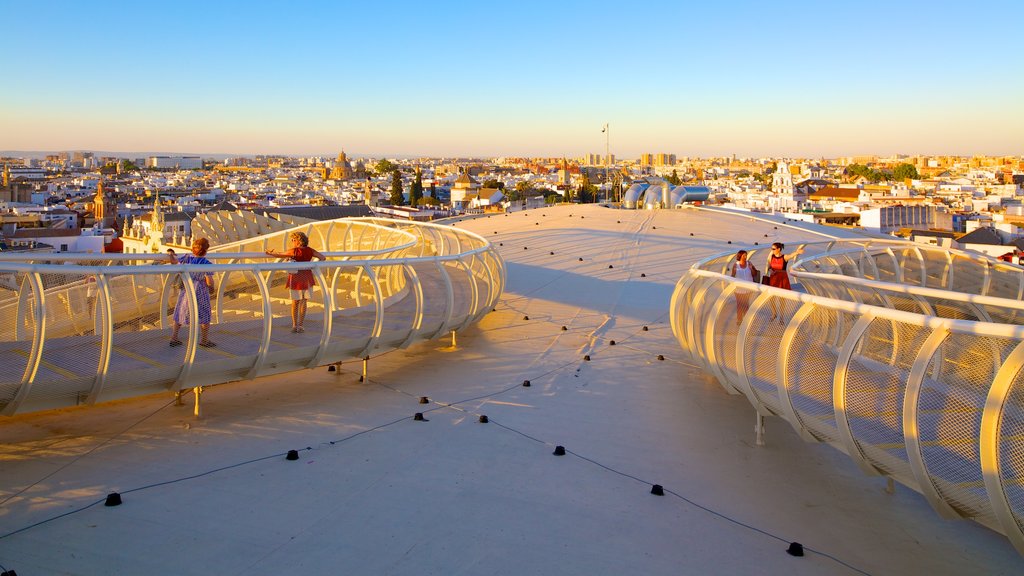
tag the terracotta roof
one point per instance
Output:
(833, 192)
(934, 233)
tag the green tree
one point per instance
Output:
(858, 170)
(522, 190)
(674, 179)
(552, 199)
(384, 166)
(416, 190)
(904, 171)
(587, 192)
(397, 198)
(492, 183)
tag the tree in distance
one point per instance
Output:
(587, 193)
(397, 198)
(384, 166)
(522, 191)
(904, 171)
(416, 190)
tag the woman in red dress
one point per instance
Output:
(778, 277)
(300, 282)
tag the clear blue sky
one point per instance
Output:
(515, 78)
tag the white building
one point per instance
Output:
(179, 162)
(887, 219)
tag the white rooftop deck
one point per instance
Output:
(380, 493)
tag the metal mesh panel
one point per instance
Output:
(1005, 281)
(140, 359)
(71, 362)
(968, 275)
(353, 293)
(905, 302)
(478, 273)
(950, 408)
(18, 323)
(462, 287)
(849, 264)
(936, 263)
(401, 305)
(832, 289)
(280, 301)
(912, 267)
(868, 268)
(886, 267)
(763, 334)
(1003, 314)
(725, 332)
(239, 327)
(1011, 448)
(711, 295)
(812, 362)
(684, 311)
(946, 308)
(867, 295)
(434, 293)
(875, 387)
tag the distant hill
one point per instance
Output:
(98, 153)
(40, 154)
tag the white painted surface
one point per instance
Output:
(453, 496)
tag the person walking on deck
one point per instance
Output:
(203, 283)
(300, 282)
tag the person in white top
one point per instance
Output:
(742, 269)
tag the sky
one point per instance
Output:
(755, 79)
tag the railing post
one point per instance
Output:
(911, 417)
(35, 355)
(992, 438)
(839, 393)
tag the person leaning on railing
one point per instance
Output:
(203, 283)
(300, 282)
(778, 277)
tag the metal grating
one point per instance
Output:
(1011, 448)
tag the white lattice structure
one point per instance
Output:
(78, 331)
(910, 359)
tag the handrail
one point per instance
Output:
(936, 403)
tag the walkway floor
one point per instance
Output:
(376, 492)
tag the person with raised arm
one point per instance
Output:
(300, 282)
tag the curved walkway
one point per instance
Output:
(907, 358)
(79, 331)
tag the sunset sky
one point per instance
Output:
(516, 79)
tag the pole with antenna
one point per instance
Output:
(607, 161)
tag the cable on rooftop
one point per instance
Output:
(83, 455)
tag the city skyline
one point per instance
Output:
(792, 80)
